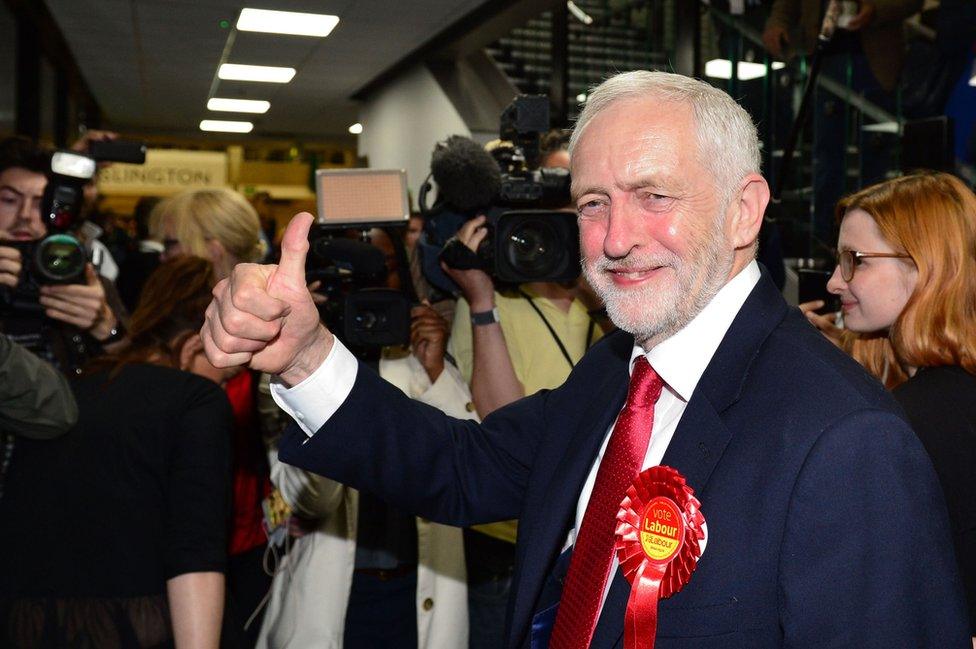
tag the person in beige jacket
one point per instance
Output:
(310, 593)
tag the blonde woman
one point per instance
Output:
(216, 224)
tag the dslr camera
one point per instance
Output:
(58, 257)
(529, 239)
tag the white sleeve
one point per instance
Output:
(313, 401)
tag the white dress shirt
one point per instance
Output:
(680, 361)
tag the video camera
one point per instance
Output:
(529, 240)
(359, 308)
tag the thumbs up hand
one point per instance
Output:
(264, 316)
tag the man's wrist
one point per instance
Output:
(309, 359)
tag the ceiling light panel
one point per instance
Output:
(292, 23)
(257, 106)
(224, 126)
(262, 73)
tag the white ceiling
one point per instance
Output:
(151, 63)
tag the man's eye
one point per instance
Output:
(592, 208)
(656, 201)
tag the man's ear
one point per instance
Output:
(191, 347)
(747, 211)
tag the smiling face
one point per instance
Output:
(652, 223)
(21, 191)
(881, 286)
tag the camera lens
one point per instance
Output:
(60, 258)
(533, 248)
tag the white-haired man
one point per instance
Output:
(824, 524)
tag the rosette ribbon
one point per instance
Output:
(658, 541)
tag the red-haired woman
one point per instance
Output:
(906, 279)
(115, 533)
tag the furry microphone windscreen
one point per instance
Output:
(467, 177)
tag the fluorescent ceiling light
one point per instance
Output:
(356, 128)
(881, 127)
(722, 69)
(266, 73)
(286, 22)
(238, 105)
(223, 126)
(581, 98)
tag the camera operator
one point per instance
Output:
(357, 560)
(509, 343)
(80, 318)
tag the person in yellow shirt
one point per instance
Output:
(508, 345)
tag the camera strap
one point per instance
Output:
(552, 331)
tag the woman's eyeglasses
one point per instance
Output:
(848, 260)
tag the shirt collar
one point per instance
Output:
(681, 359)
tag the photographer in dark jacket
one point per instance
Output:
(79, 318)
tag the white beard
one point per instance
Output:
(658, 311)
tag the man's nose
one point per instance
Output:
(624, 232)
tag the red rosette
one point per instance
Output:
(658, 541)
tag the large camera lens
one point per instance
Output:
(60, 258)
(533, 248)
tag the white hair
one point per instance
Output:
(727, 141)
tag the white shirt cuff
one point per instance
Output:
(313, 401)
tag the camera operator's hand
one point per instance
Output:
(10, 264)
(428, 339)
(263, 315)
(476, 285)
(92, 135)
(81, 305)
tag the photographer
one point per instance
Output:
(355, 559)
(79, 317)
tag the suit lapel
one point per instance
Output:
(701, 436)
(562, 494)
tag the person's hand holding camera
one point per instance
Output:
(82, 305)
(10, 263)
(428, 339)
(263, 316)
(475, 284)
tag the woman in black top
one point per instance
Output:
(115, 533)
(907, 283)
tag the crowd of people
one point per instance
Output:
(191, 458)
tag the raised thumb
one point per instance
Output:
(294, 248)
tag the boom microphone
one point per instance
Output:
(467, 177)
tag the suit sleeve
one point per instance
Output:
(868, 520)
(420, 460)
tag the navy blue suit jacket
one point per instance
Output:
(826, 525)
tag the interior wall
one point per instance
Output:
(403, 121)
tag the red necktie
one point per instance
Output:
(589, 567)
